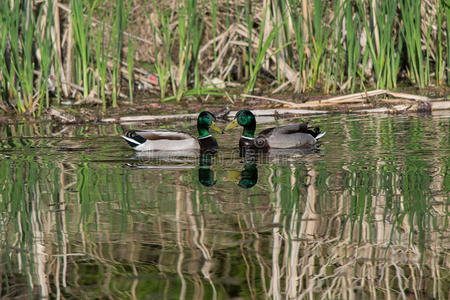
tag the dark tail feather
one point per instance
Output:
(134, 139)
(317, 134)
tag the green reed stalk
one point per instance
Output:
(118, 29)
(280, 16)
(296, 17)
(382, 41)
(261, 56)
(352, 41)
(57, 79)
(21, 29)
(184, 47)
(26, 77)
(81, 27)
(214, 7)
(101, 58)
(440, 63)
(319, 34)
(249, 23)
(410, 10)
(130, 66)
(197, 92)
(197, 34)
(46, 52)
(162, 50)
(5, 55)
(191, 25)
(427, 56)
(339, 52)
(446, 4)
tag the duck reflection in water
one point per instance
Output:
(206, 174)
(246, 178)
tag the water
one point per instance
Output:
(366, 216)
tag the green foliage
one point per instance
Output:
(261, 50)
(411, 31)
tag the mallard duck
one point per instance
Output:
(167, 140)
(288, 136)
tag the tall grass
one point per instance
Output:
(412, 34)
(120, 21)
(381, 41)
(261, 50)
(446, 5)
(353, 26)
(31, 67)
(299, 47)
(130, 66)
(17, 68)
(45, 45)
(162, 47)
(191, 26)
(82, 35)
(101, 58)
(332, 46)
(440, 62)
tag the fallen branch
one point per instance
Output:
(408, 96)
(352, 98)
(292, 104)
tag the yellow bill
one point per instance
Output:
(215, 128)
(231, 125)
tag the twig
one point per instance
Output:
(270, 99)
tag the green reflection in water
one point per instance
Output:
(366, 216)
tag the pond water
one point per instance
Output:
(365, 216)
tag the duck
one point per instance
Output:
(283, 137)
(169, 140)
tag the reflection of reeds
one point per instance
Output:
(359, 227)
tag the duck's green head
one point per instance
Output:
(205, 121)
(246, 119)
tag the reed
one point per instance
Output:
(162, 47)
(382, 43)
(297, 21)
(353, 27)
(45, 45)
(411, 31)
(19, 71)
(303, 45)
(200, 91)
(102, 48)
(120, 22)
(440, 61)
(248, 62)
(130, 66)
(319, 35)
(214, 8)
(191, 26)
(261, 50)
(446, 5)
(82, 35)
